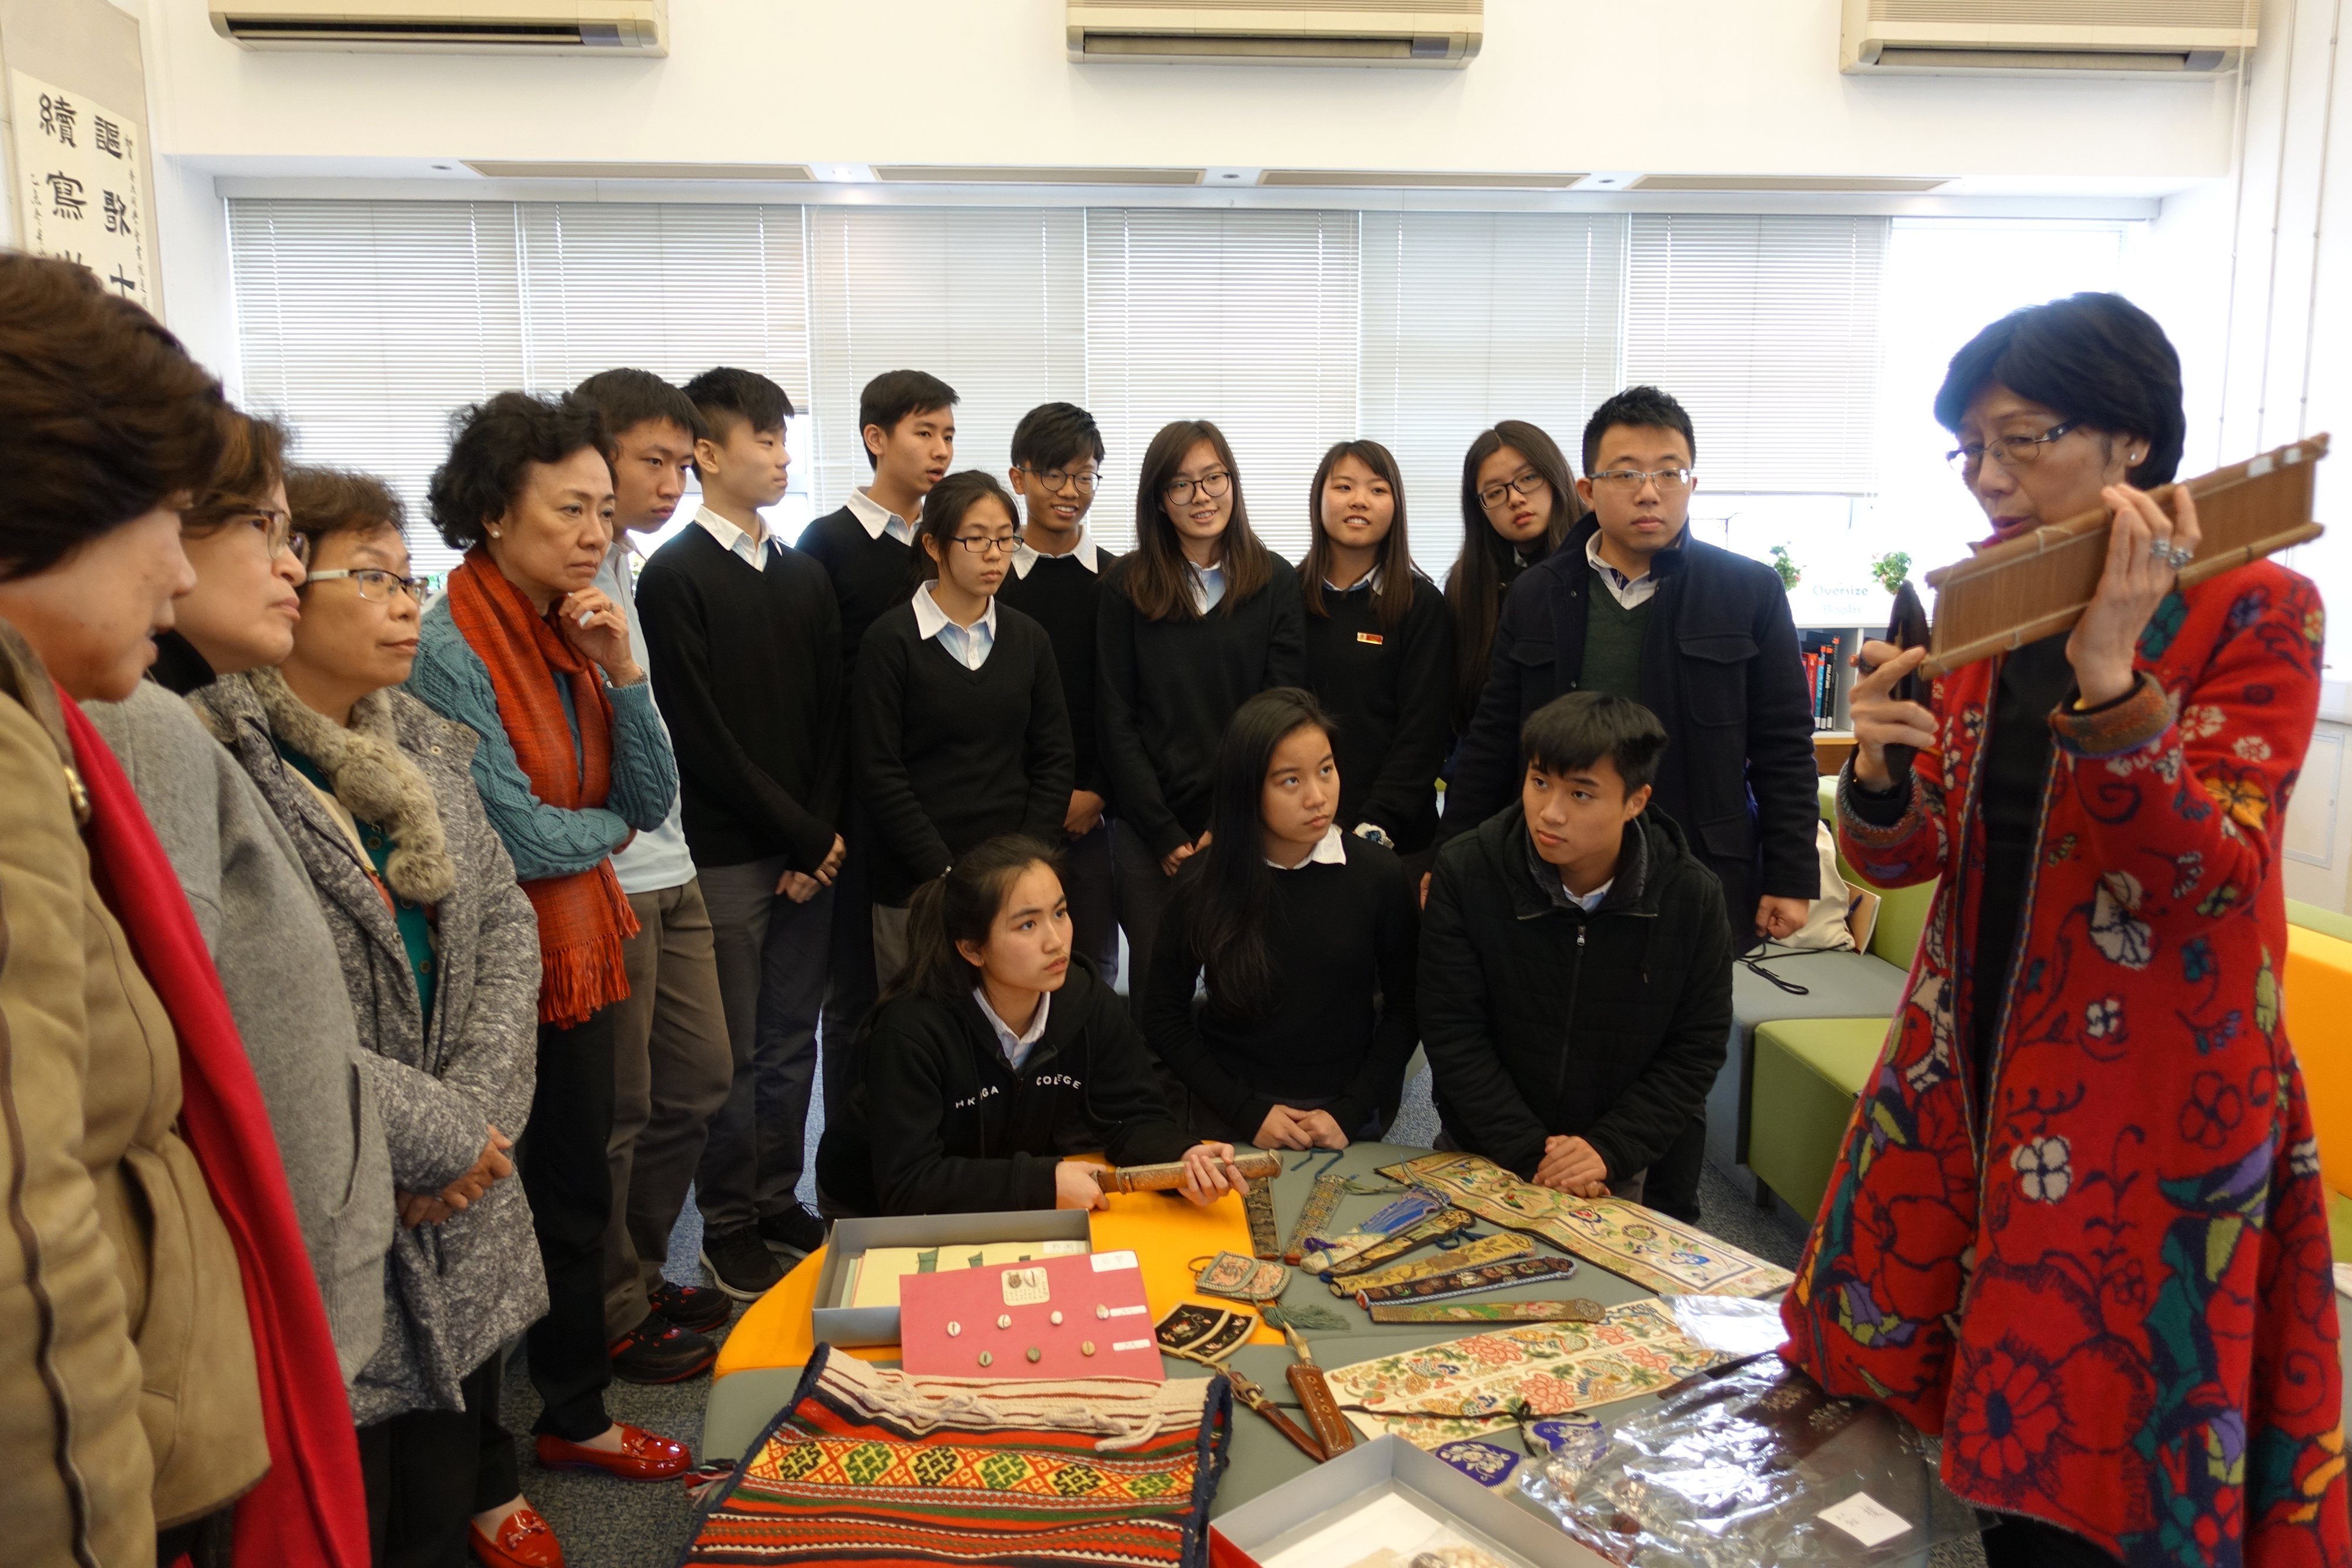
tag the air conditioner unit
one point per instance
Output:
(1427, 33)
(2136, 38)
(448, 27)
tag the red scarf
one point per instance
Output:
(309, 1510)
(583, 917)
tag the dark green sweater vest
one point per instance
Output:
(1612, 645)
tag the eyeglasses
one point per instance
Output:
(1527, 484)
(1210, 484)
(990, 544)
(2011, 451)
(1056, 479)
(277, 530)
(375, 585)
(1667, 479)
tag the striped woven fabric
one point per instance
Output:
(869, 1466)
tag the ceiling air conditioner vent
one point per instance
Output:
(2138, 38)
(448, 26)
(1442, 34)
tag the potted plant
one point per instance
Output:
(1788, 569)
(1891, 569)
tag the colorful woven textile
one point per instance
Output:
(1624, 1237)
(1436, 1228)
(1469, 1255)
(1484, 1382)
(872, 1467)
(1544, 1271)
(1575, 1310)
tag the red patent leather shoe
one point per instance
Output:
(524, 1539)
(643, 1457)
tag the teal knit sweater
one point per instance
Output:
(545, 840)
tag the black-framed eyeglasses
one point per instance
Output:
(1058, 479)
(1210, 484)
(1527, 484)
(1666, 479)
(376, 584)
(2011, 451)
(990, 544)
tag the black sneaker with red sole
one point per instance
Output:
(696, 1307)
(658, 1351)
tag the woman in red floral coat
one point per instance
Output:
(2077, 1225)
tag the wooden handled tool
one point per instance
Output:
(1306, 1381)
(1258, 1165)
(1251, 1395)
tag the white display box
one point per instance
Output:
(833, 1323)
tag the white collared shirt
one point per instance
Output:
(1630, 593)
(1588, 901)
(1016, 1046)
(1023, 558)
(751, 551)
(1371, 580)
(878, 519)
(1331, 848)
(1208, 586)
(968, 646)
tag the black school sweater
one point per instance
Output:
(747, 674)
(1390, 693)
(945, 756)
(1168, 688)
(943, 1124)
(1337, 934)
(1061, 595)
(869, 575)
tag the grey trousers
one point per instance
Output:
(671, 1072)
(1092, 883)
(772, 956)
(1143, 890)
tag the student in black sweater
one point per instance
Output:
(907, 419)
(1306, 935)
(1380, 651)
(997, 1055)
(1056, 580)
(957, 731)
(1201, 618)
(746, 648)
(1518, 501)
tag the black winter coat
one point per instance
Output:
(942, 1123)
(1540, 1020)
(1719, 668)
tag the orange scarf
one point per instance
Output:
(583, 917)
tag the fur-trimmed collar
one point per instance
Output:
(374, 777)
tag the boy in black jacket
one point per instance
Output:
(1056, 580)
(1575, 989)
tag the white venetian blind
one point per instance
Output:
(988, 299)
(1247, 318)
(364, 324)
(1470, 318)
(1767, 330)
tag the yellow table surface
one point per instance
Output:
(2317, 985)
(1166, 1233)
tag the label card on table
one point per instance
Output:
(1053, 1319)
(1867, 1518)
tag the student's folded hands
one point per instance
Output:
(1286, 1128)
(1573, 1167)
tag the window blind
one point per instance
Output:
(365, 323)
(988, 299)
(1767, 330)
(1247, 319)
(1470, 318)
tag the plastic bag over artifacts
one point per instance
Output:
(1759, 1466)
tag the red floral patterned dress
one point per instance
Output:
(2113, 1301)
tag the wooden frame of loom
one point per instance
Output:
(2036, 584)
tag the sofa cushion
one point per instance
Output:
(1837, 985)
(1806, 1075)
(2325, 921)
(2316, 988)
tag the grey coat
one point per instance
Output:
(254, 903)
(465, 1287)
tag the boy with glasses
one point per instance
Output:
(1633, 606)
(745, 644)
(1056, 580)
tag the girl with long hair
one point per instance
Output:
(1305, 937)
(1380, 648)
(1518, 501)
(1198, 620)
(996, 1053)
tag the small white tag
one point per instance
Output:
(1106, 1261)
(1131, 1344)
(1127, 1312)
(1866, 1519)
(1062, 1248)
(1025, 1287)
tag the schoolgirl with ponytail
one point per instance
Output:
(997, 1053)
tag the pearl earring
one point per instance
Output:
(494, 533)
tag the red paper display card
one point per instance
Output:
(1082, 1316)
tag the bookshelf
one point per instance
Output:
(1837, 644)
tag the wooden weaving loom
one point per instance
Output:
(2034, 585)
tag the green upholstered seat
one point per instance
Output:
(2339, 1225)
(1807, 1073)
(2326, 920)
